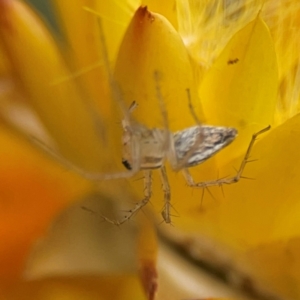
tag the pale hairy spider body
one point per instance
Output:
(153, 149)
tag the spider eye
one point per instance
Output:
(126, 164)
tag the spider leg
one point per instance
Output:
(219, 182)
(191, 108)
(179, 165)
(164, 112)
(93, 176)
(167, 195)
(139, 205)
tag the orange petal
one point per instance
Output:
(79, 288)
(33, 191)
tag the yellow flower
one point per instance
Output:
(34, 190)
(240, 67)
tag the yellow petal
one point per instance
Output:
(79, 21)
(147, 255)
(254, 212)
(240, 89)
(152, 45)
(272, 198)
(37, 64)
(276, 266)
(284, 26)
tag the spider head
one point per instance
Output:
(126, 164)
(143, 148)
(127, 148)
(127, 138)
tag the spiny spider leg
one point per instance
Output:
(219, 182)
(94, 176)
(167, 195)
(179, 165)
(164, 113)
(127, 123)
(139, 205)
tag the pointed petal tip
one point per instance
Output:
(148, 275)
(142, 16)
(4, 17)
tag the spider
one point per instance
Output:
(147, 149)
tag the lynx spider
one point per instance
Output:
(147, 149)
